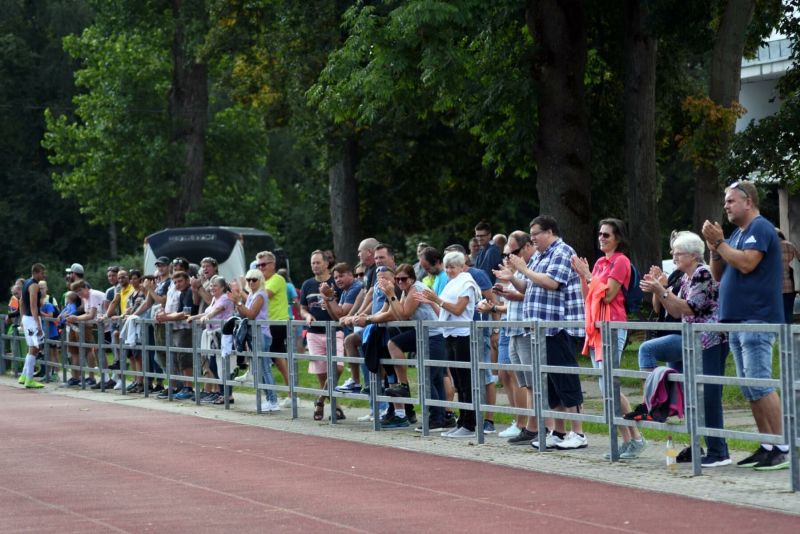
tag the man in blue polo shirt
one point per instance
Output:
(749, 268)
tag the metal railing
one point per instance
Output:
(788, 382)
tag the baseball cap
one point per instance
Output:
(162, 260)
(75, 268)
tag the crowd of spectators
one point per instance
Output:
(528, 275)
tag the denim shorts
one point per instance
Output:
(752, 354)
(502, 349)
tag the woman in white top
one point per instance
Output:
(457, 303)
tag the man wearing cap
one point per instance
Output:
(73, 273)
(156, 291)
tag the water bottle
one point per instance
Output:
(671, 456)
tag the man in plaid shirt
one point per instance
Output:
(553, 293)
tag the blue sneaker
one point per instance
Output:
(394, 422)
(488, 427)
(185, 393)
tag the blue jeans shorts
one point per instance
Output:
(752, 354)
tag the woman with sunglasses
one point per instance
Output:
(408, 308)
(255, 308)
(603, 285)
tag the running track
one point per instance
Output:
(74, 465)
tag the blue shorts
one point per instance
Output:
(752, 354)
(502, 349)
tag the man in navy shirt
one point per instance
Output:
(749, 268)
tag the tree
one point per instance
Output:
(562, 147)
(640, 135)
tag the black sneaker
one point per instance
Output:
(157, 388)
(776, 459)
(163, 394)
(525, 437)
(74, 383)
(450, 421)
(685, 456)
(756, 458)
(90, 382)
(398, 390)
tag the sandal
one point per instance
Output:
(340, 414)
(319, 409)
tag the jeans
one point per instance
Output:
(661, 349)
(266, 369)
(752, 354)
(714, 365)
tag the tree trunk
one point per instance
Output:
(188, 108)
(112, 240)
(723, 88)
(562, 148)
(640, 137)
(344, 206)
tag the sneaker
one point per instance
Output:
(685, 456)
(634, 449)
(73, 383)
(510, 432)
(157, 388)
(488, 427)
(550, 441)
(755, 458)
(271, 407)
(387, 415)
(184, 394)
(622, 450)
(714, 461)
(366, 418)
(433, 426)
(776, 459)
(246, 377)
(22, 379)
(90, 382)
(524, 437)
(460, 433)
(349, 386)
(33, 384)
(116, 385)
(286, 402)
(394, 422)
(450, 422)
(210, 398)
(574, 441)
(130, 387)
(398, 390)
(447, 433)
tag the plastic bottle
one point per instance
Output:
(671, 456)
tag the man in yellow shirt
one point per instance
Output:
(275, 286)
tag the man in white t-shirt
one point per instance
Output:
(93, 302)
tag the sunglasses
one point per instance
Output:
(402, 278)
(360, 275)
(264, 264)
(737, 185)
(252, 279)
(604, 235)
(514, 252)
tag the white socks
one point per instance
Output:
(30, 366)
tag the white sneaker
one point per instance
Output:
(446, 433)
(247, 377)
(271, 407)
(550, 442)
(286, 402)
(511, 432)
(118, 385)
(461, 433)
(366, 418)
(572, 441)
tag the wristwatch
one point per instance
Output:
(330, 299)
(718, 242)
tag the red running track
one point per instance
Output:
(74, 465)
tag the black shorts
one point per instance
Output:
(406, 341)
(278, 338)
(562, 390)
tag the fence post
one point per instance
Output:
(539, 356)
(693, 400)
(292, 365)
(475, 356)
(789, 402)
(168, 354)
(255, 360)
(423, 377)
(195, 361)
(609, 392)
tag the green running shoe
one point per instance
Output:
(33, 384)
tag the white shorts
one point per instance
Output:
(34, 335)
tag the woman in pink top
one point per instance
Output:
(612, 270)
